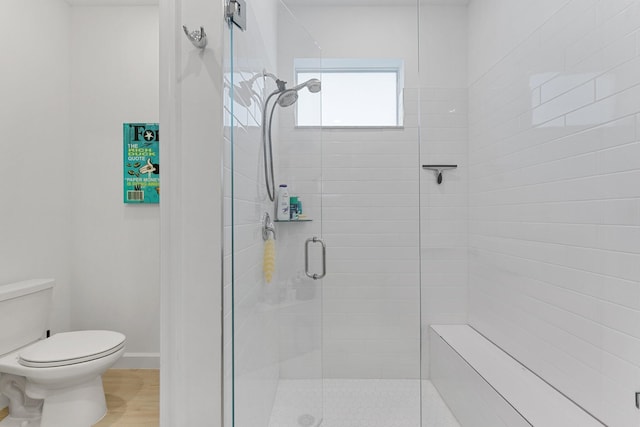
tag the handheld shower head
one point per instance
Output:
(288, 97)
(284, 98)
(313, 85)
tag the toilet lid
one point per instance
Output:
(68, 348)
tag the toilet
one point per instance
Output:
(54, 381)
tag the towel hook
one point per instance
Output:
(197, 37)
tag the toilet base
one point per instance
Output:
(82, 405)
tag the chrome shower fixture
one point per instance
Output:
(285, 98)
(314, 85)
(289, 97)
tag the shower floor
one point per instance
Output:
(359, 403)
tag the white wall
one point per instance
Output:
(365, 32)
(191, 228)
(115, 253)
(443, 140)
(554, 200)
(36, 163)
(65, 102)
(500, 26)
(443, 45)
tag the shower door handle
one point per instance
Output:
(315, 276)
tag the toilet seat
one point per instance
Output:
(68, 348)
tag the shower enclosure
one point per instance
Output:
(296, 338)
(495, 194)
(275, 329)
(345, 349)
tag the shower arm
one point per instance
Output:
(281, 84)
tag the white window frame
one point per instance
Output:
(354, 65)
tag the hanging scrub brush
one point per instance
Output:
(269, 237)
(269, 262)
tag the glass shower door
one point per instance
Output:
(298, 164)
(273, 291)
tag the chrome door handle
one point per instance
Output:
(315, 276)
(324, 258)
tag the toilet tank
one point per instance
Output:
(24, 312)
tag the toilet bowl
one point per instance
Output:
(57, 381)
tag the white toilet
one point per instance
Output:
(52, 382)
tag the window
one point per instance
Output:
(355, 93)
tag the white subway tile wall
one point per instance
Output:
(443, 215)
(369, 202)
(554, 204)
(443, 140)
(368, 182)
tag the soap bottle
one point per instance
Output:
(282, 204)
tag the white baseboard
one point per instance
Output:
(138, 361)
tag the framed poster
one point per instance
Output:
(141, 162)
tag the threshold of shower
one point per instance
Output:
(360, 403)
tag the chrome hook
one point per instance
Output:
(197, 37)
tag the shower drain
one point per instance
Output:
(306, 420)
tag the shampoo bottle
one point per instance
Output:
(282, 205)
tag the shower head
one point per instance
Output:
(284, 98)
(289, 97)
(313, 85)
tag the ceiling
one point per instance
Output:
(111, 2)
(372, 2)
(289, 2)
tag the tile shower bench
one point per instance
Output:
(485, 387)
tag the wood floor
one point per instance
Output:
(132, 398)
